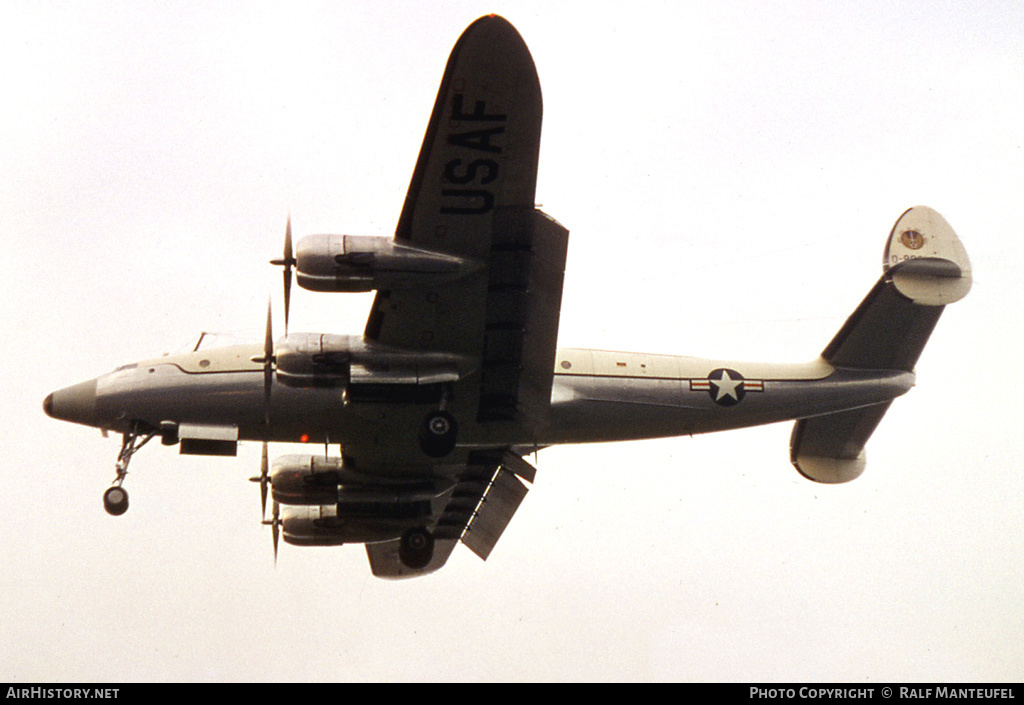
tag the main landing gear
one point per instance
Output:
(417, 548)
(115, 499)
(438, 433)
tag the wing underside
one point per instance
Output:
(481, 505)
(472, 196)
(886, 332)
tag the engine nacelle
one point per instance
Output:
(306, 479)
(319, 360)
(363, 263)
(322, 526)
(317, 480)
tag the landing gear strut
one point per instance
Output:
(115, 499)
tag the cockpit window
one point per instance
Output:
(210, 340)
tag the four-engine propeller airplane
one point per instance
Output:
(457, 376)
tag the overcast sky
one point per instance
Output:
(729, 172)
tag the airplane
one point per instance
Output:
(457, 377)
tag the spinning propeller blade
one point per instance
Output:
(268, 364)
(264, 480)
(287, 261)
(274, 524)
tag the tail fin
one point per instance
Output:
(925, 268)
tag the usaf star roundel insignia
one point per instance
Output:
(726, 387)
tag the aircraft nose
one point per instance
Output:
(76, 403)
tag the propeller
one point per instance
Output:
(268, 363)
(268, 360)
(275, 524)
(264, 479)
(287, 261)
(275, 520)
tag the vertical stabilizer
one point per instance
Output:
(925, 259)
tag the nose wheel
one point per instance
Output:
(115, 500)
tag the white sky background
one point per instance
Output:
(729, 172)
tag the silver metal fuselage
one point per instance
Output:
(596, 396)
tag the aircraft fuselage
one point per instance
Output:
(596, 396)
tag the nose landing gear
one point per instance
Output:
(115, 499)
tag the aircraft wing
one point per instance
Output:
(472, 196)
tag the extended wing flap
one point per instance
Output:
(495, 511)
(524, 299)
(486, 497)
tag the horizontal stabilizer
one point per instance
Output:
(925, 267)
(830, 449)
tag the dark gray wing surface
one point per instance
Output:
(472, 187)
(472, 196)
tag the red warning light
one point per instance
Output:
(304, 438)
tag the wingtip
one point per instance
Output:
(492, 21)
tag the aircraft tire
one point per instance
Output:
(417, 548)
(438, 433)
(115, 501)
